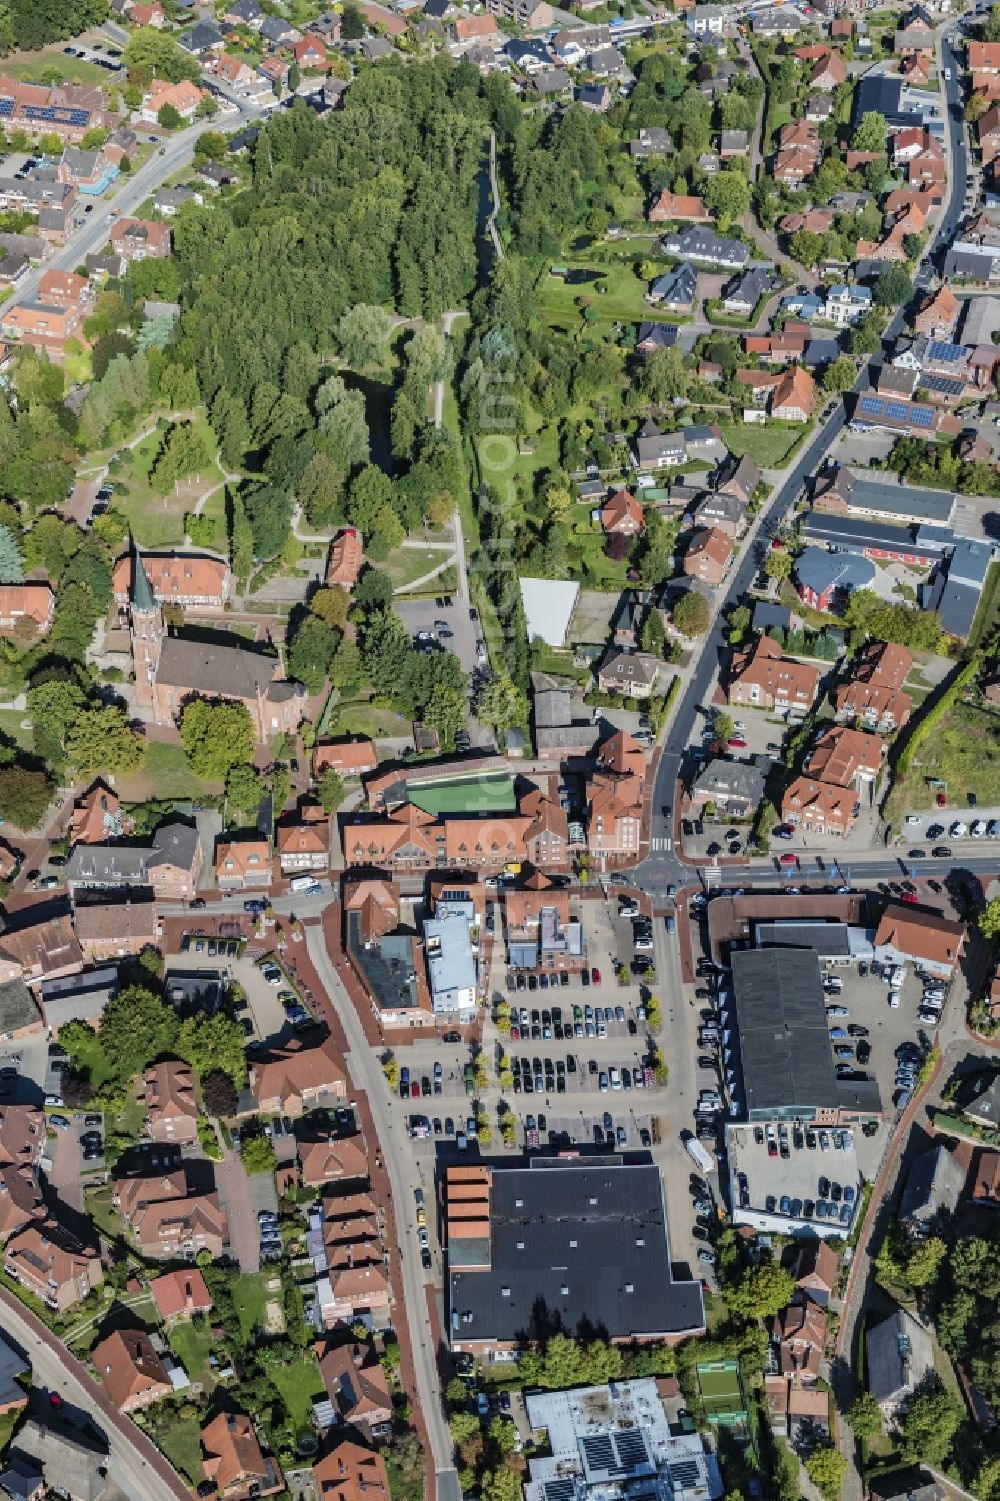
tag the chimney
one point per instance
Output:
(359, 1356)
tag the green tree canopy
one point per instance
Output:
(691, 614)
(135, 1029)
(216, 735)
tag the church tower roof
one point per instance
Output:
(143, 598)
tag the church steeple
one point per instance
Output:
(143, 598)
(146, 627)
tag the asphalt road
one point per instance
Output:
(132, 190)
(136, 1464)
(366, 1073)
(662, 865)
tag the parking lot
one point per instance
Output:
(947, 827)
(424, 614)
(72, 1171)
(29, 1057)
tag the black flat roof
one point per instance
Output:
(574, 1244)
(784, 1041)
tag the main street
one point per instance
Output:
(662, 865)
(132, 190)
(135, 1464)
(367, 1076)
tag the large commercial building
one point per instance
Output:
(782, 1064)
(560, 1243)
(614, 1443)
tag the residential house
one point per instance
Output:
(733, 787)
(872, 697)
(49, 1263)
(474, 30)
(614, 815)
(180, 1295)
(915, 935)
(706, 248)
(357, 1386)
(21, 1201)
(351, 758)
(935, 1182)
(794, 397)
(290, 1079)
(656, 450)
(279, 32)
(989, 134)
(799, 1333)
(337, 1160)
(741, 297)
(719, 511)
(178, 1229)
(233, 71)
(141, 239)
(937, 315)
(243, 864)
(26, 607)
(622, 515)
(675, 206)
(816, 1270)
(116, 930)
(309, 52)
(131, 1372)
(708, 556)
(761, 676)
(706, 20)
(244, 13)
(171, 1107)
(346, 558)
(184, 97)
(41, 326)
(201, 38)
(733, 143)
(900, 1358)
(652, 141)
(984, 1187)
(633, 674)
(596, 97)
(34, 946)
(828, 72)
(819, 807)
(234, 1461)
(738, 477)
(351, 1473)
(675, 290)
(304, 845)
(193, 582)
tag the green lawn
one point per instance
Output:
(164, 773)
(299, 1383)
(487, 794)
(360, 718)
(12, 724)
(250, 1296)
(409, 563)
(158, 520)
(106, 1218)
(617, 294)
(964, 751)
(72, 69)
(767, 446)
(89, 1057)
(181, 1443)
(192, 1343)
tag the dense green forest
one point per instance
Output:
(33, 23)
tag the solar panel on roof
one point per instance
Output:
(599, 1451)
(940, 349)
(631, 1449)
(684, 1474)
(6, 108)
(560, 1490)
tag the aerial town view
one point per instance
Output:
(500, 750)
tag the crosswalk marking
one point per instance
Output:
(664, 844)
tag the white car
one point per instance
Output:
(893, 1000)
(978, 830)
(958, 829)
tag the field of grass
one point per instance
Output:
(12, 724)
(191, 1341)
(299, 1383)
(963, 751)
(250, 1295)
(164, 773)
(158, 520)
(361, 718)
(36, 66)
(472, 794)
(510, 472)
(409, 563)
(181, 1443)
(767, 446)
(617, 293)
(90, 1058)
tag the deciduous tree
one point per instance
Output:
(216, 735)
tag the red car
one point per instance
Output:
(909, 898)
(789, 859)
(737, 743)
(595, 975)
(942, 800)
(56, 1400)
(414, 1090)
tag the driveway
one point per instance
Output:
(240, 1198)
